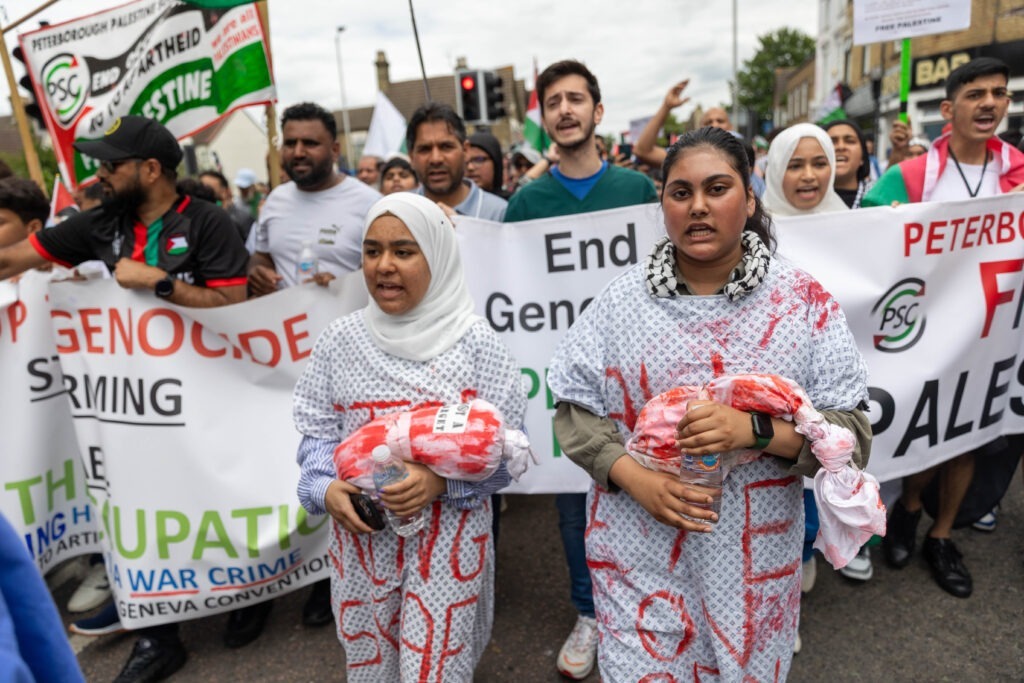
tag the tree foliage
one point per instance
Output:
(782, 48)
(47, 160)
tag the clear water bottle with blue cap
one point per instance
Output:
(308, 264)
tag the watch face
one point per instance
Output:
(762, 426)
(164, 288)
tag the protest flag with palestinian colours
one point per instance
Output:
(185, 64)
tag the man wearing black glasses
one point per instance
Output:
(183, 250)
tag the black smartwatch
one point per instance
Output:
(764, 432)
(164, 288)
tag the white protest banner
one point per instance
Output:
(876, 21)
(182, 65)
(44, 494)
(935, 394)
(531, 280)
(187, 416)
(933, 293)
(186, 413)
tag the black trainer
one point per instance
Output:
(317, 610)
(900, 536)
(152, 660)
(948, 567)
(245, 624)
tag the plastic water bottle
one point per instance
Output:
(704, 471)
(388, 469)
(308, 264)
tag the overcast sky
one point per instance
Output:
(637, 50)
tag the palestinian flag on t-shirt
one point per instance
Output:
(176, 244)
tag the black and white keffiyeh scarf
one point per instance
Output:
(662, 282)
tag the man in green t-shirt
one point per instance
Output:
(581, 182)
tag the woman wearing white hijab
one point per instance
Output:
(421, 607)
(801, 173)
(800, 179)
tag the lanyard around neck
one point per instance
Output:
(973, 193)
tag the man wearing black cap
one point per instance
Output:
(185, 251)
(182, 250)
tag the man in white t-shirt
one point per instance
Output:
(325, 209)
(320, 206)
(970, 161)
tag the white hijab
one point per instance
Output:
(437, 322)
(779, 154)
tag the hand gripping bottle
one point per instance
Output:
(308, 264)
(706, 472)
(387, 470)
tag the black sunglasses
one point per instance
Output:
(111, 166)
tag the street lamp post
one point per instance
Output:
(344, 104)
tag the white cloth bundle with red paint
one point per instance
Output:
(850, 509)
(465, 441)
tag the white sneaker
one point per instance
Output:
(92, 592)
(859, 567)
(797, 645)
(987, 521)
(577, 656)
(809, 575)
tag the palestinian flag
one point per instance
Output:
(176, 244)
(832, 108)
(60, 201)
(533, 130)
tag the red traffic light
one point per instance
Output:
(468, 82)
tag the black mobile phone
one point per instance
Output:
(368, 511)
(626, 150)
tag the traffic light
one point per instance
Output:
(468, 83)
(494, 96)
(32, 109)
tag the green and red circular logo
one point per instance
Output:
(899, 316)
(66, 81)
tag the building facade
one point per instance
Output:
(873, 71)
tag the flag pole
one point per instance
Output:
(35, 170)
(423, 69)
(31, 14)
(273, 158)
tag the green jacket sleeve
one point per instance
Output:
(887, 189)
(590, 441)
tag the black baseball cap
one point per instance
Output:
(134, 137)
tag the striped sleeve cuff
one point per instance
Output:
(316, 460)
(468, 495)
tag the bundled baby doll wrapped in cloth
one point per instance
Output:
(849, 506)
(464, 441)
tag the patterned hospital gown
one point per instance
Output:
(672, 605)
(419, 608)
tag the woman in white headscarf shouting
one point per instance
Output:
(800, 179)
(801, 173)
(421, 607)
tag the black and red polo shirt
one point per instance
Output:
(194, 241)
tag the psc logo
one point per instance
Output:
(899, 316)
(66, 81)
